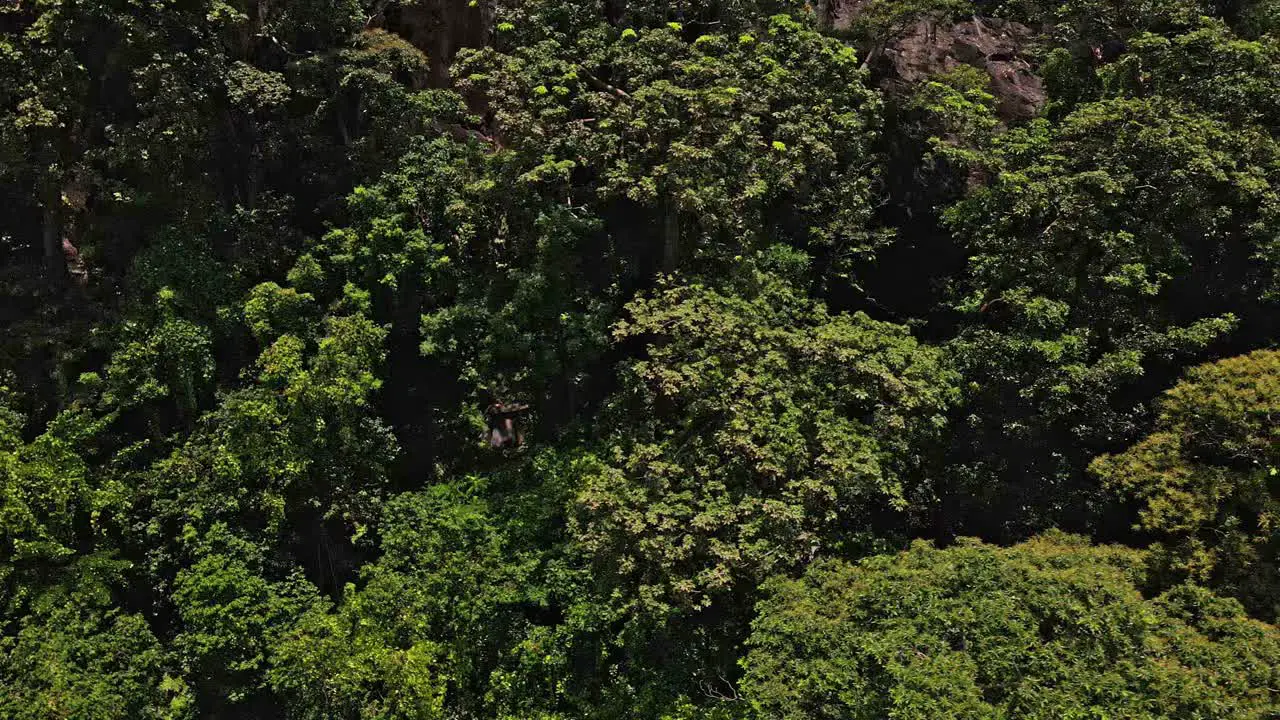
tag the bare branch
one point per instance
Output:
(603, 86)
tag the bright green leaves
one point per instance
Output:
(54, 513)
(279, 478)
(1206, 477)
(428, 617)
(954, 112)
(308, 435)
(272, 311)
(43, 484)
(231, 616)
(1208, 67)
(758, 431)
(1051, 628)
(345, 368)
(66, 649)
(1110, 191)
(88, 662)
(384, 250)
(169, 361)
(327, 667)
(536, 21)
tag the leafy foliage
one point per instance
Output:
(1050, 628)
(727, 142)
(87, 662)
(1206, 477)
(760, 430)
(560, 359)
(1101, 250)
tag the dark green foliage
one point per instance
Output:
(726, 143)
(550, 359)
(1130, 234)
(876, 22)
(1078, 24)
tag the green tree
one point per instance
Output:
(53, 509)
(1052, 628)
(425, 626)
(1208, 67)
(88, 662)
(489, 289)
(1206, 478)
(759, 430)
(724, 143)
(1109, 246)
(260, 504)
(1082, 24)
(67, 649)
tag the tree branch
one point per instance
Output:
(603, 86)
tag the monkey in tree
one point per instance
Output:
(504, 428)
(1109, 51)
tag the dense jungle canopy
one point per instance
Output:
(578, 359)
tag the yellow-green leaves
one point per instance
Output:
(1204, 479)
(1048, 629)
(758, 431)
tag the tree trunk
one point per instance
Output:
(825, 13)
(615, 11)
(670, 236)
(51, 240)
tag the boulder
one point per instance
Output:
(928, 48)
(933, 46)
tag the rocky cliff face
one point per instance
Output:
(992, 45)
(929, 47)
